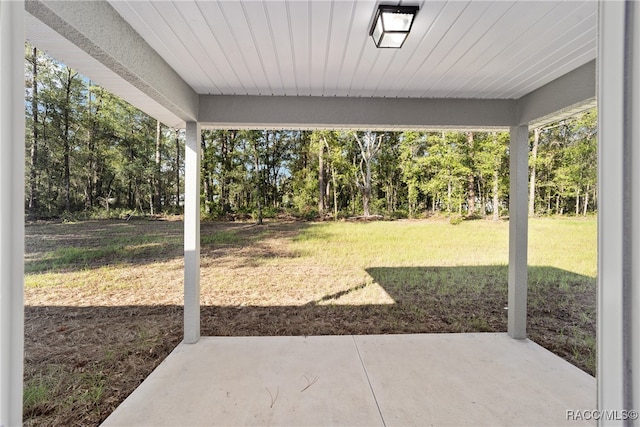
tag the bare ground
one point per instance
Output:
(97, 325)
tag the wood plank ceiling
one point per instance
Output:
(460, 49)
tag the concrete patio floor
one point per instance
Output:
(393, 380)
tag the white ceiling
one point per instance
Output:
(171, 58)
(459, 49)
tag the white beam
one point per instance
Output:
(618, 370)
(12, 211)
(192, 234)
(309, 112)
(565, 96)
(99, 31)
(518, 231)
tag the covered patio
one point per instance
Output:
(372, 380)
(504, 65)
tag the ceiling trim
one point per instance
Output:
(312, 112)
(97, 29)
(561, 98)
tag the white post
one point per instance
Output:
(11, 211)
(633, 143)
(518, 231)
(618, 370)
(192, 234)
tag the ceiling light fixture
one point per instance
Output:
(391, 25)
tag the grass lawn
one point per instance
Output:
(103, 298)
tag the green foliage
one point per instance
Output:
(455, 219)
(89, 154)
(36, 393)
(305, 190)
(89, 150)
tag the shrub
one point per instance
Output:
(455, 219)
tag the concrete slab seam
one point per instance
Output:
(366, 374)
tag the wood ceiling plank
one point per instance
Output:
(239, 27)
(531, 29)
(320, 34)
(440, 21)
(260, 31)
(299, 21)
(541, 65)
(218, 26)
(496, 45)
(280, 39)
(354, 47)
(193, 53)
(452, 51)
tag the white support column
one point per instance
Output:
(618, 350)
(518, 231)
(11, 211)
(633, 143)
(192, 234)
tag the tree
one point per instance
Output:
(320, 145)
(413, 147)
(33, 155)
(532, 179)
(498, 154)
(470, 169)
(388, 172)
(157, 200)
(177, 166)
(369, 144)
(70, 86)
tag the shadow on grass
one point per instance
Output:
(104, 353)
(561, 306)
(561, 311)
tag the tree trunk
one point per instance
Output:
(151, 204)
(471, 187)
(92, 173)
(496, 196)
(207, 181)
(158, 180)
(366, 191)
(321, 184)
(33, 175)
(177, 169)
(496, 182)
(366, 195)
(335, 193)
(577, 202)
(586, 202)
(411, 197)
(258, 179)
(483, 196)
(226, 150)
(532, 179)
(67, 143)
(369, 148)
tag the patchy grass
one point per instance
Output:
(103, 298)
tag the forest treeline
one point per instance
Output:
(89, 153)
